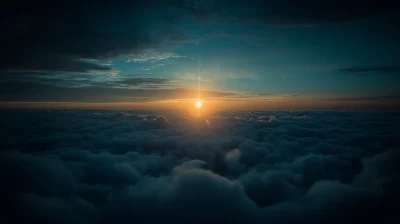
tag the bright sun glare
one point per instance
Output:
(199, 104)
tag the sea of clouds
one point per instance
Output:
(86, 166)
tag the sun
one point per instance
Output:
(199, 104)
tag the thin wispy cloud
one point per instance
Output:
(379, 70)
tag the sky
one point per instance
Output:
(249, 54)
(299, 120)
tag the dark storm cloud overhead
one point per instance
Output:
(128, 166)
(42, 37)
(381, 70)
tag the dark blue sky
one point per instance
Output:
(147, 51)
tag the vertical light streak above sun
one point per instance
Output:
(199, 103)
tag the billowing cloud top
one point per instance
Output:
(83, 166)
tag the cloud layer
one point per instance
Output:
(289, 12)
(83, 166)
(382, 70)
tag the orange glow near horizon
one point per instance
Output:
(307, 102)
